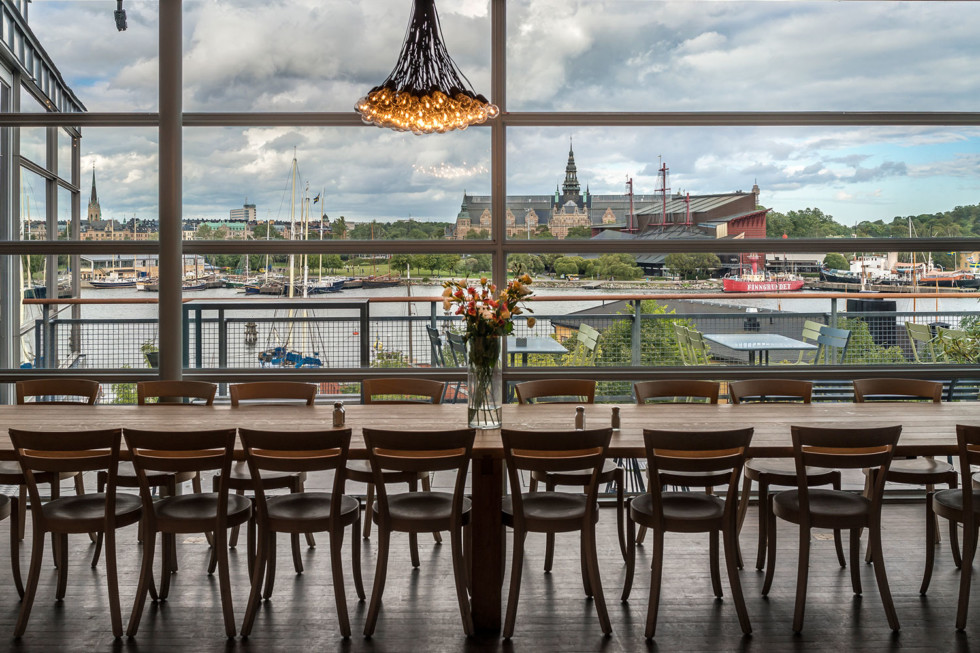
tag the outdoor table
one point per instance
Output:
(928, 429)
(532, 345)
(758, 342)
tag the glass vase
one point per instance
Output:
(484, 382)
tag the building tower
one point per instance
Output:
(94, 210)
(571, 190)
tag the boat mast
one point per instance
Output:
(304, 212)
(292, 227)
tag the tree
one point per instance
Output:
(836, 261)
(579, 232)
(204, 232)
(616, 266)
(524, 264)
(339, 228)
(333, 262)
(474, 234)
(264, 229)
(543, 233)
(808, 223)
(565, 266)
(692, 266)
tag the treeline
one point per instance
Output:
(961, 222)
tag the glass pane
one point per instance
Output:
(635, 55)
(64, 156)
(107, 70)
(312, 56)
(33, 145)
(33, 206)
(368, 184)
(814, 182)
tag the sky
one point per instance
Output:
(567, 55)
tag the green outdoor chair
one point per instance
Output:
(832, 345)
(922, 341)
(683, 344)
(700, 352)
(587, 347)
(811, 333)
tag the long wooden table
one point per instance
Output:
(928, 429)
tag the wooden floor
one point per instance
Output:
(420, 612)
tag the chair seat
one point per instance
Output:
(949, 503)
(241, 479)
(197, 512)
(359, 471)
(549, 511)
(783, 472)
(578, 476)
(4, 506)
(828, 508)
(921, 471)
(86, 512)
(307, 507)
(682, 511)
(11, 474)
(976, 481)
(430, 510)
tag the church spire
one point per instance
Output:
(95, 197)
(571, 190)
(94, 210)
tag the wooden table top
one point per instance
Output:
(927, 428)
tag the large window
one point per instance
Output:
(644, 150)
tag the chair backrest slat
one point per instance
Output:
(576, 391)
(384, 391)
(770, 391)
(272, 390)
(892, 389)
(86, 390)
(677, 389)
(167, 391)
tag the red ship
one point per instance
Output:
(756, 282)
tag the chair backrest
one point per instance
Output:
(384, 391)
(167, 391)
(419, 451)
(843, 448)
(700, 351)
(920, 336)
(435, 347)
(54, 452)
(457, 347)
(683, 346)
(810, 334)
(564, 391)
(587, 347)
(770, 391)
(682, 388)
(968, 442)
(86, 390)
(832, 345)
(716, 457)
(173, 452)
(554, 451)
(889, 389)
(272, 390)
(293, 452)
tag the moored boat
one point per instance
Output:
(760, 283)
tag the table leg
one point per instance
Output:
(487, 556)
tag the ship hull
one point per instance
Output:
(739, 285)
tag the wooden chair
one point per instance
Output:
(922, 342)
(332, 512)
(840, 448)
(580, 391)
(554, 453)
(677, 389)
(416, 452)
(272, 391)
(768, 472)
(5, 512)
(914, 471)
(126, 473)
(77, 451)
(715, 458)
(173, 452)
(961, 507)
(360, 471)
(168, 391)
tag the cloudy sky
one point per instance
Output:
(569, 55)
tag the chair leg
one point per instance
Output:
(549, 544)
(16, 525)
(98, 549)
(595, 580)
(310, 540)
(297, 554)
(468, 556)
(22, 516)
(255, 593)
(355, 554)
(427, 487)
(966, 576)
(459, 574)
(380, 575)
(112, 581)
(630, 554)
(337, 571)
(168, 542)
(770, 545)
(620, 478)
(743, 508)
(59, 594)
(855, 547)
(731, 563)
(838, 542)
(79, 491)
(586, 577)
(33, 575)
(270, 563)
(233, 541)
(764, 509)
(146, 580)
(368, 508)
(715, 570)
(802, 574)
(878, 560)
(196, 487)
(641, 535)
(954, 540)
(656, 577)
(930, 546)
(224, 582)
(516, 568)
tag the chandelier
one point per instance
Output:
(426, 92)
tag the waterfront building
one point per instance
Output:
(245, 214)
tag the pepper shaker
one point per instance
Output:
(580, 418)
(339, 415)
(615, 417)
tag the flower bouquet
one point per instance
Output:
(488, 316)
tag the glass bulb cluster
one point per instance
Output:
(434, 112)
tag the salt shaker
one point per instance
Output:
(615, 417)
(580, 418)
(339, 414)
